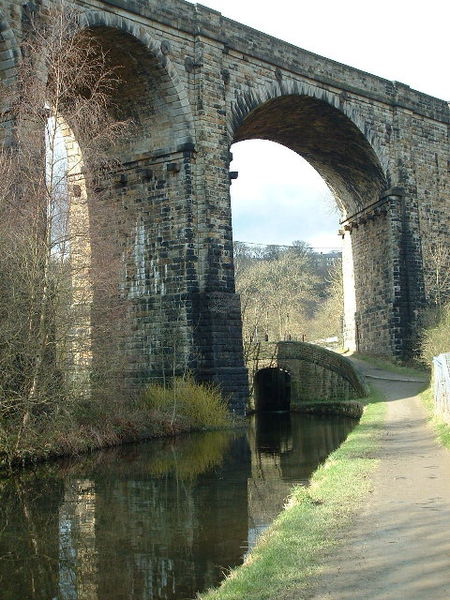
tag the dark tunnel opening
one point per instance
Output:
(272, 390)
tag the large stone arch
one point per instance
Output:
(349, 158)
(216, 74)
(254, 97)
(323, 129)
(134, 207)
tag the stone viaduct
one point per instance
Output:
(193, 83)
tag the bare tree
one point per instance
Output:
(439, 280)
(53, 223)
(288, 293)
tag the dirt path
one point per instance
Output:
(399, 546)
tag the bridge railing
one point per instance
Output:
(441, 379)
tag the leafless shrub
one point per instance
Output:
(61, 308)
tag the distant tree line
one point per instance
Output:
(288, 293)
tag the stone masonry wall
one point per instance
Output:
(194, 82)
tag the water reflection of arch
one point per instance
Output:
(312, 443)
(148, 518)
(286, 449)
(166, 519)
(272, 389)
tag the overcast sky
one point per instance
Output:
(276, 202)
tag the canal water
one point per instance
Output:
(155, 521)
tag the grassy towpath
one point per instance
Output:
(398, 547)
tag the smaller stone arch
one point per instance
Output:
(315, 373)
(319, 373)
(272, 389)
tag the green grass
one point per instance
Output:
(417, 370)
(288, 556)
(435, 338)
(441, 428)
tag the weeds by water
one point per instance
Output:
(287, 557)
(435, 340)
(185, 401)
(89, 424)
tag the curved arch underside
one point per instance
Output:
(145, 95)
(327, 139)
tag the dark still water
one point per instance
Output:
(160, 520)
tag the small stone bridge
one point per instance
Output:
(282, 375)
(195, 82)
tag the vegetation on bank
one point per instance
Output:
(64, 360)
(436, 336)
(287, 557)
(187, 402)
(52, 360)
(435, 341)
(82, 426)
(441, 428)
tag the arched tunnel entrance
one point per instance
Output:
(272, 389)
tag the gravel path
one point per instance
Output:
(399, 545)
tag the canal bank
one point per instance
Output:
(100, 523)
(161, 520)
(399, 545)
(373, 524)
(288, 557)
(87, 425)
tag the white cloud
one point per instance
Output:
(279, 198)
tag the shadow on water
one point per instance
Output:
(155, 521)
